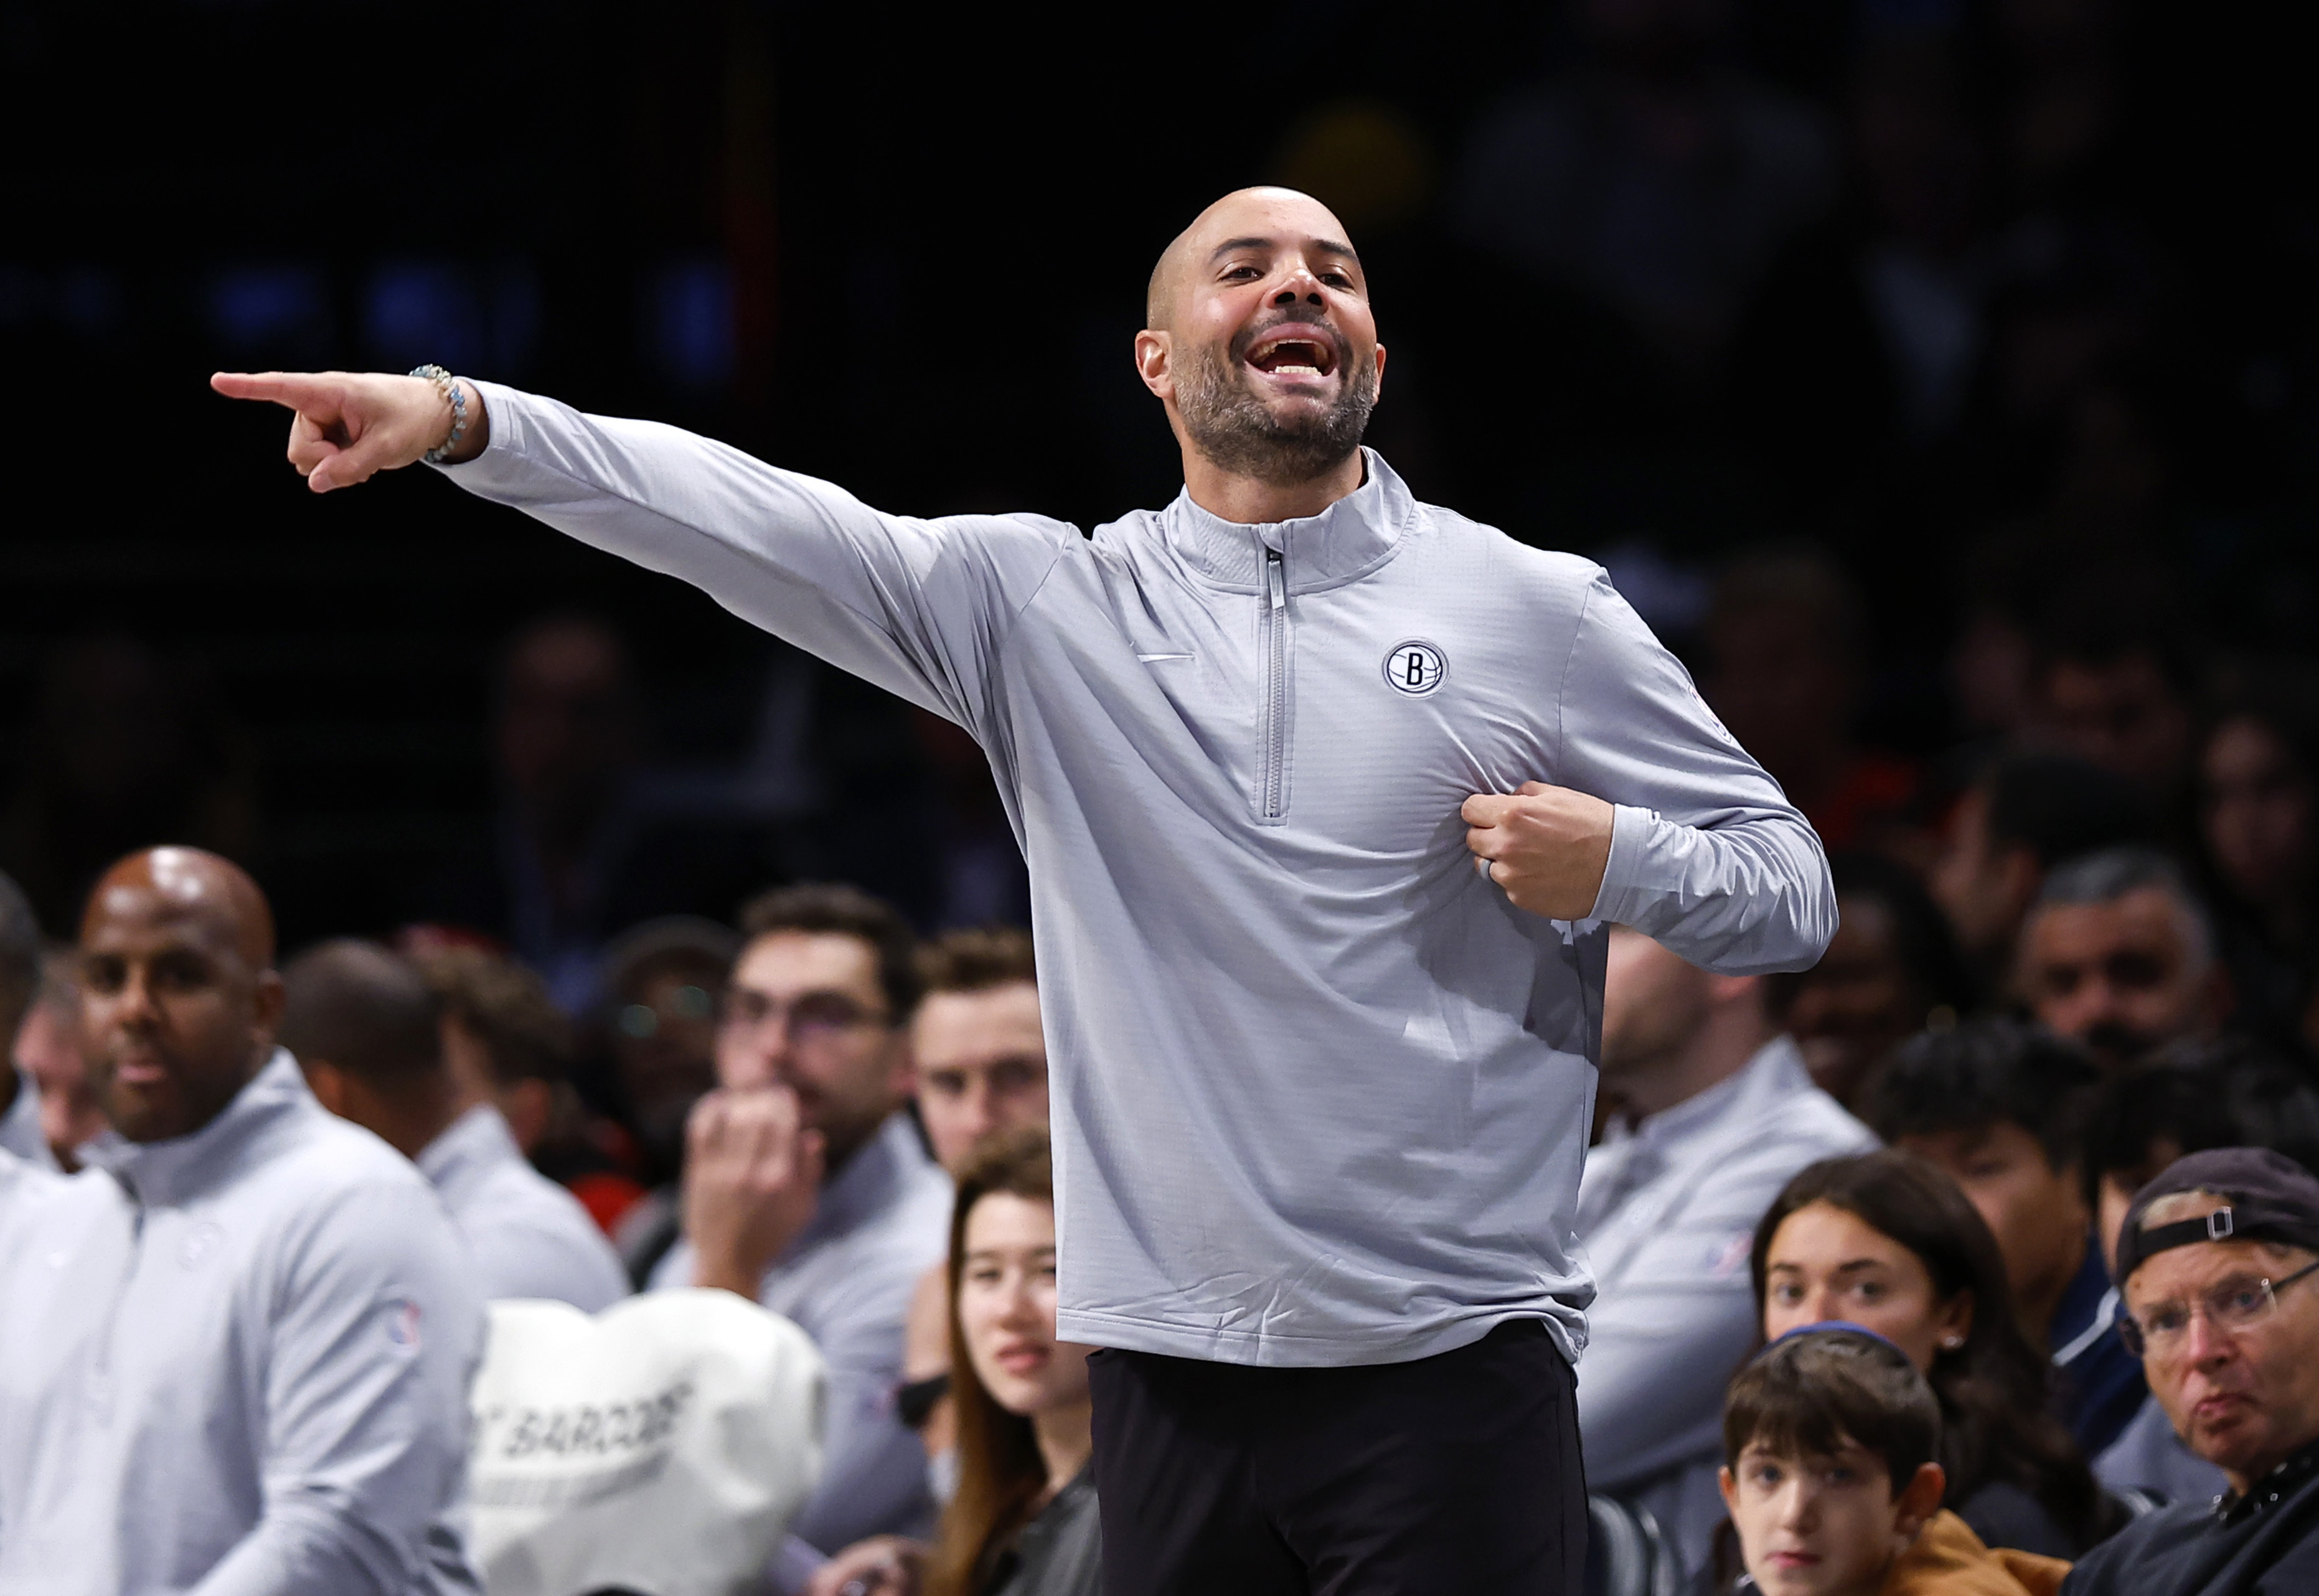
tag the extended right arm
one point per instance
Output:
(917, 607)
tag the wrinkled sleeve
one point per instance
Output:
(917, 607)
(1707, 855)
(374, 1337)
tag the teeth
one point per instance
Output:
(1302, 371)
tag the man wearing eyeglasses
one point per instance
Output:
(2217, 1259)
(807, 1190)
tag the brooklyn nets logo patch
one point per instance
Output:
(1415, 667)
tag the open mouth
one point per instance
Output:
(1294, 350)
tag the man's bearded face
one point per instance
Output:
(1252, 409)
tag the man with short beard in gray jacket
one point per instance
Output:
(1329, 796)
(234, 1355)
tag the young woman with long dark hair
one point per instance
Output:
(1022, 1520)
(1886, 1241)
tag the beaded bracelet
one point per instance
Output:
(448, 386)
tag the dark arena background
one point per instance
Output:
(1881, 350)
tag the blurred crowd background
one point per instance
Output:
(1936, 376)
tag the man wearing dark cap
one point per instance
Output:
(2217, 1259)
(234, 1356)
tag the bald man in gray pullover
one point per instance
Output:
(1329, 796)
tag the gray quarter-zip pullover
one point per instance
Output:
(236, 1363)
(1322, 1094)
(530, 1238)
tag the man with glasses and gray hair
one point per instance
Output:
(2216, 1258)
(808, 1189)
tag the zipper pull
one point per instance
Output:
(1273, 578)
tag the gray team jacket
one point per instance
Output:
(236, 1362)
(1321, 1092)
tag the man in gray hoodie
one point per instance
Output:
(234, 1356)
(1329, 796)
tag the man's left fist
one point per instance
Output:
(1548, 847)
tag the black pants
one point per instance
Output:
(1453, 1474)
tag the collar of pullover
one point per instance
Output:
(468, 1149)
(866, 1188)
(169, 1172)
(1350, 539)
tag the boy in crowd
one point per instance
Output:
(2001, 1107)
(1829, 1440)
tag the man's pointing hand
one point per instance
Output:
(1548, 847)
(349, 426)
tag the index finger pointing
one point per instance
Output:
(298, 389)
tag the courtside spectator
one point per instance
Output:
(21, 1133)
(2228, 1093)
(2119, 954)
(48, 1051)
(976, 1043)
(1023, 1521)
(2256, 770)
(664, 988)
(2025, 814)
(235, 1356)
(1712, 1112)
(2001, 1107)
(807, 1188)
(1892, 970)
(980, 1055)
(504, 1039)
(507, 1044)
(1887, 1240)
(367, 1031)
(1829, 1439)
(2217, 1256)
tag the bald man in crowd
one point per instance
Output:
(1328, 796)
(234, 1356)
(368, 1030)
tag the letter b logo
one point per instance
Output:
(1415, 667)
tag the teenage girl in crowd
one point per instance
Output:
(1887, 1241)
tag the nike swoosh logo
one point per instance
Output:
(1154, 659)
